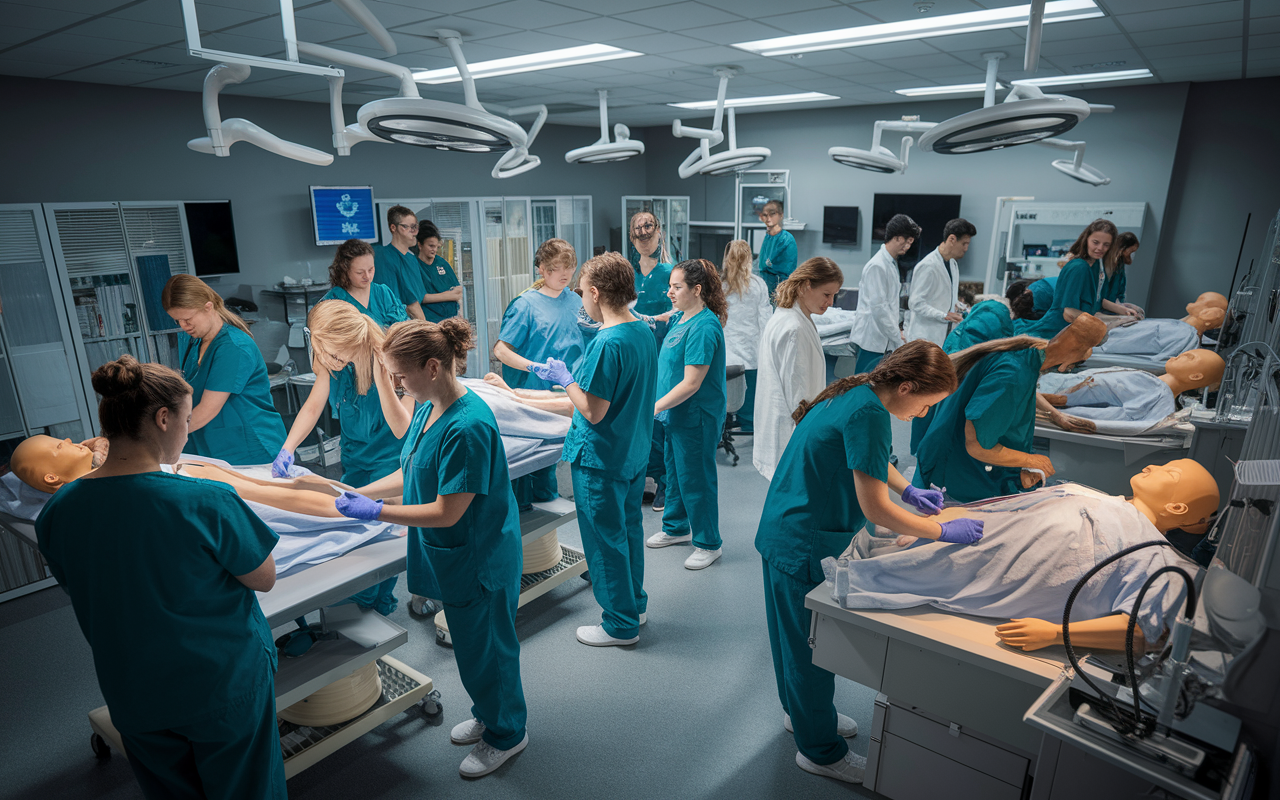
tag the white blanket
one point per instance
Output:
(1119, 401)
(517, 420)
(1158, 339)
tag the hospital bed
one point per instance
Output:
(1107, 462)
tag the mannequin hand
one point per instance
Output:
(927, 500)
(100, 447)
(961, 531)
(1070, 423)
(1029, 478)
(1135, 310)
(905, 540)
(1029, 633)
(554, 371)
(357, 506)
(280, 467)
(1055, 400)
(1041, 463)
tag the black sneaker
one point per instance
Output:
(660, 499)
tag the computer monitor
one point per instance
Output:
(212, 232)
(343, 212)
(839, 224)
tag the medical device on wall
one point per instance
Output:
(339, 213)
(880, 158)
(735, 159)
(1252, 327)
(1034, 237)
(604, 150)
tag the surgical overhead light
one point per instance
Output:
(1075, 167)
(880, 158)
(604, 150)
(532, 62)
(735, 159)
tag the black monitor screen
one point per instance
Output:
(213, 238)
(930, 211)
(840, 224)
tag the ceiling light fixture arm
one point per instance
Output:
(344, 135)
(363, 17)
(993, 66)
(1035, 29)
(408, 88)
(224, 133)
(1075, 168)
(191, 26)
(518, 161)
(453, 41)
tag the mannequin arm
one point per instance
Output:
(1105, 633)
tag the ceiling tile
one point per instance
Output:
(1265, 25)
(1129, 7)
(1193, 48)
(680, 16)
(1087, 44)
(1010, 41)
(528, 42)
(1206, 14)
(710, 56)
(1200, 60)
(243, 5)
(897, 11)
(727, 33)
(23, 68)
(649, 64)
(10, 35)
(915, 63)
(165, 12)
(527, 14)
(612, 7)
(92, 49)
(249, 45)
(755, 9)
(469, 28)
(389, 14)
(1194, 33)
(39, 18)
(823, 19)
(126, 30)
(601, 29)
(1262, 41)
(877, 52)
(192, 82)
(89, 7)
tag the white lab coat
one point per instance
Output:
(748, 315)
(792, 369)
(876, 327)
(935, 288)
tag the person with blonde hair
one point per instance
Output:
(749, 312)
(792, 366)
(234, 418)
(652, 262)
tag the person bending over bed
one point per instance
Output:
(1035, 547)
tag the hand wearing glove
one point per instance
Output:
(357, 506)
(663, 417)
(554, 371)
(927, 500)
(961, 531)
(280, 467)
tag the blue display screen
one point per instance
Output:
(342, 213)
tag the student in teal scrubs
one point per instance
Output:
(540, 323)
(1079, 288)
(691, 406)
(161, 570)
(235, 418)
(833, 478)
(464, 530)
(396, 267)
(359, 392)
(1042, 292)
(651, 259)
(1115, 282)
(443, 292)
(607, 446)
(980, 443)
(778, 250)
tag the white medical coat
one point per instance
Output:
(748, 314)
(876, 326)
(935, 288)
(791, 369)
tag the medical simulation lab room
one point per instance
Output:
(652, 399)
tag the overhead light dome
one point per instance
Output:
(735, 159)
(880, 158)
(1026, 116)
(604, 151)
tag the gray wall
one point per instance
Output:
(1135, 146)
(1228, 166)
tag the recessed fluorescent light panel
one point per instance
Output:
(568, 57)
(944, 25)
(770, 100)
(957, 88)
(1091, 77)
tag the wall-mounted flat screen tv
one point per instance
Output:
(343, 212)
(839, 224)
(213, 238)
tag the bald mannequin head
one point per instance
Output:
(1180, 494)
(46, 464)
(1205, 318)
(1074, 343)
(1194, 369)
(1208, 300)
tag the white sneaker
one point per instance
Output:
(485, 758)
(596, 636)
(849, 769)
(643, 617)
(701, 559)
(466, 732)
(845, 726)
(662, 540)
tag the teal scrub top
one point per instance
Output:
(436, 278)
(1113, 287)
(651, 289)
(461, 452)
(248, 429)
(778, 253)
(696, 340)
(812, 511)
(621, 366)
(150, 562)
(398, 272)
(998, 395)
(1077, 288)
(368, 444)
(539, 327)
(986, 321)
(1042, 293)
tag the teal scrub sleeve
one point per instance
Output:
(998, 402)
(700, 345)
(231, 370)
(1075, 287)
(516, 324)
(239, 540)
(785, 259)
(411, 286)
(397, 313)
(867, 442)
(1121, 283)
(466, 461)
(599, 375)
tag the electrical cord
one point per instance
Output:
(1133, 624)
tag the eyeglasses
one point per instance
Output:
(413, 227)
(645, 228)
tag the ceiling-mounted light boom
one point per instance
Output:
(603, 150)
(879, 158)
(735, 159)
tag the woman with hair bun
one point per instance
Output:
(161, 570)
(464, 529)
(235, 418)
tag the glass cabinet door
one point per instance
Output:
(677, 227)
(457, 246)
(545, 217)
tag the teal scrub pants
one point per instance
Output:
(488, 655)
(692, 496)
(612, 531)
(232, 756)
(536, 487)
(867, 361)
(772, 279)
(747, 414)
(658, 455)
(807, 692)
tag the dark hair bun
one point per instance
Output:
(114, 378)
(460, 336)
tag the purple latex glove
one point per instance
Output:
(280, 467)
(927, 500)
(961, 531)
(357, 506)
(555, 372)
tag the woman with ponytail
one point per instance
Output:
(234, 418)
(834, 477)
(691, 408)
(464, 529)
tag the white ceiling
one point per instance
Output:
(141, 43)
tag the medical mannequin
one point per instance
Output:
(1207, 300)
(46, 464)
(1194, 369)
(1204, 318)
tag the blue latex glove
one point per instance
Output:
(357, 506)
(280, 467)
(663, 417)
(554, 371)
(961, 531)
(927, 500)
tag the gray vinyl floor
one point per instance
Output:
(691, 711)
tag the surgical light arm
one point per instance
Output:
(517, 160)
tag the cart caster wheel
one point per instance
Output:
(101, 750)
(586, 576)
(443, 638)
(431, 705)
